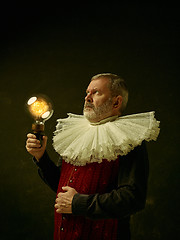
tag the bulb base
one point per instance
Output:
(38, 127)
(38, 130)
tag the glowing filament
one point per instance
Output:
(38, 108)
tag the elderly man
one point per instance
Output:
(101, 178)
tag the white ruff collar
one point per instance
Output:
(80, 142)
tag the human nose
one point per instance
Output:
(88, 98)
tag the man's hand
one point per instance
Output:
(64, 200)
(34, 147)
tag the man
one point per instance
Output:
(102, 176)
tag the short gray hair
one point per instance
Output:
(117, 87)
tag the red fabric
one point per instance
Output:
(89, 179)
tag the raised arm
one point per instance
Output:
(47, 169)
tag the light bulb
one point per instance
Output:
(40, 109)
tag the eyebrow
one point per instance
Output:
(95, 89)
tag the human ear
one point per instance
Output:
(117, 102)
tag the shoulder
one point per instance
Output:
(138, 155)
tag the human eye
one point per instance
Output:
(97, 92)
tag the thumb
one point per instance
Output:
(66, 188)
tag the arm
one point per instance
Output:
(48, 171)
(128, 198)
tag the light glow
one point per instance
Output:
(38, 107)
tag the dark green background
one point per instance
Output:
(55, 51)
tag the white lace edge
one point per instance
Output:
(79, 142)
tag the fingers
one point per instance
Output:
(63, 205)
(30, 135)
(61, 208)
(33, 142)
(66, 188)
(64, 200)
(34, 147)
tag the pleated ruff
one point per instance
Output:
(79, 142)
(90, 179)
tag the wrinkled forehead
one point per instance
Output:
(100, 84)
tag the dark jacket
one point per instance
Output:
(128, 198)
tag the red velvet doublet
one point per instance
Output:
(89, 179)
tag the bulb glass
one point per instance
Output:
(40, 108)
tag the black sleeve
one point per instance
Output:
(129, 196)
(48, 171)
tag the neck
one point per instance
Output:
(108, 119)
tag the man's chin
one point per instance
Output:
(88, 110)
(89, 115)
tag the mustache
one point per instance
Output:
(89, 105)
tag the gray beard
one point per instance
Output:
(98, 112)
